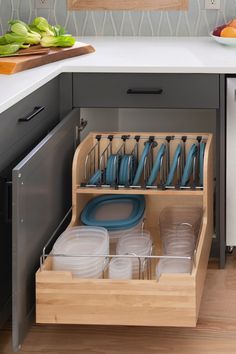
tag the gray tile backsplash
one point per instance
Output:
(195, 22)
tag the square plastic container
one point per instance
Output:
(71, 249)
(179, 229)
(174, 216)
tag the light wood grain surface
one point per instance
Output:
(12, 65)
(128, 4)
(215, 332)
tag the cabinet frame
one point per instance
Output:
(67, 105)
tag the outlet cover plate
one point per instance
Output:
(212, 4)
(43, 4)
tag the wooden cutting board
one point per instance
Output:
(11, 65)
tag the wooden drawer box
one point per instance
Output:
(146, 90)
(173, 300)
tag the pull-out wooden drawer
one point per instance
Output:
(172, 300)
(146, 90)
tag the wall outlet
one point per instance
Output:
(43, 4)
(212, 4)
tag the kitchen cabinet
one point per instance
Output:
(21, 127)
(27, 121)
(42, 179)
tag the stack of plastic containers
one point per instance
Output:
(120, 268)
(71, 248)
(138, 245)
(179, 229)
(180, 241)
(115, 236)
(119, 214)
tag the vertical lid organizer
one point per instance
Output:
(145, 162)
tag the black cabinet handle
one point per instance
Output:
(32, 114)
(144, 91)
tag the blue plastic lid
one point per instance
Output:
(188, 169)
(156, 166)
(174, 165)
(114, 203)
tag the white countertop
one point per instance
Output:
(127, 55)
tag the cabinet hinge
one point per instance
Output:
(83, 124)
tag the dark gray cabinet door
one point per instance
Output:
(41, 112)
(41, 198)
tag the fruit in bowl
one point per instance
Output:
(232, 23)
(217, 31)
(227, 30)
(225, 34)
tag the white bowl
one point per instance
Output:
(224, 40)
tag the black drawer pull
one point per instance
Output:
(32, 114)
(144, 91)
